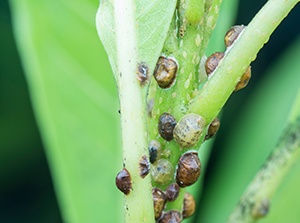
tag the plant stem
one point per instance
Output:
(212, 8)
(254, 203)
(187, 47)
(138, 204)
(212, 97)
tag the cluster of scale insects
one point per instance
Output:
(186, 133)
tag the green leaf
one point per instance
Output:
(153, 21)
(75, 101)
(245, 151)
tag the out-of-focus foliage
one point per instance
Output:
(26, 191)
(254, 133)
(75, 100)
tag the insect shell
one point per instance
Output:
(261, 209)
(153, 148)
(159, 201)
(123, 181)
(166, 124)
(150, 105)
(232, 34)
(170, 217)
(144, 166)
(172, 192)
(165, 71)
(212, 128)
(189, 205)
(244, 80)
(142, 73)
(188, 130)
(188, 170)
(162, 171)
(212, 62)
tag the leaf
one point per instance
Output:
(75, 101)
(153, 21)
(253, 134)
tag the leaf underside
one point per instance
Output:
(153, 19)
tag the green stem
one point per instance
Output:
(186, 48)
(209, 21)
(177, 204)
(212, 97)
(255, 200)
(194, 11)
(254, 203)
(138, 204)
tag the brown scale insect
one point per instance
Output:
(166, 124)
(244, 80)
(212, 128)
(170, 217)
(189, 205)
(232, 34)
(212, 62)
(165, 71)
(142, 73)
(123, 181)
(172, 192)
(159, 201)
(144, 166)
(188, 130)
(153, 148)
(188, 170)
(261, 209)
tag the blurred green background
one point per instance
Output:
(26, 188)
